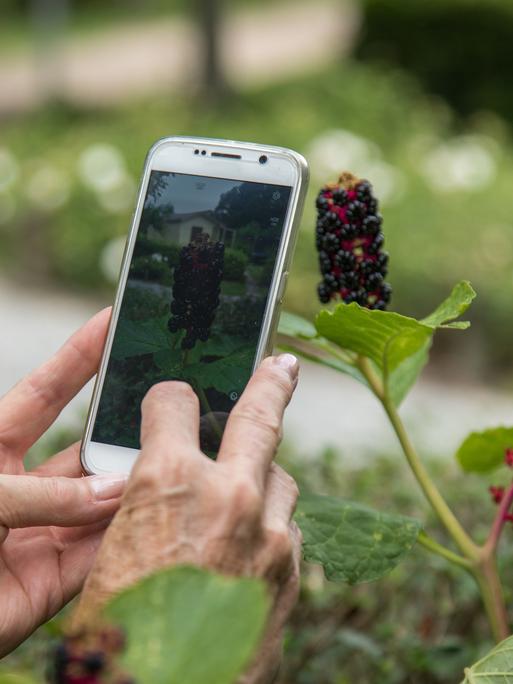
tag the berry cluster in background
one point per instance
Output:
(350, 244)
(196, 289)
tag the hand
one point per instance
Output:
(232, 515)
(51, 519)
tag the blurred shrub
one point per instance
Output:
(148, 268)
(146, 247)
(142, 304)
(459, 49)
(445, 190)
(235, 263)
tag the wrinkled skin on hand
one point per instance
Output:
(51, 519)
(232, 515)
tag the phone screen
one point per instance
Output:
(194, 301)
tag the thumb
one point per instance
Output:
(28, 500)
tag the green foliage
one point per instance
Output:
(189, 625)
(482, 452)
(494, 668)
(235, 263)
(396, 345)
(467, 33)
(352, 542)
(148, 268)
(146, 247)
(141, 337)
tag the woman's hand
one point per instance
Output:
(51, 519)
(232, 515)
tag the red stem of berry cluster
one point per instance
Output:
(500, 518)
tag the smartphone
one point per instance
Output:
(201, 283)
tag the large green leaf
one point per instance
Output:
(352, 542)
(386, 337)
(134, 338)
(483, 451)
(456, 304)
(494, 668)
(397, 345)
(189, 626)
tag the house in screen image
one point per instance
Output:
(180, 229)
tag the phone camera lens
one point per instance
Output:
(196, 151)
(263, 159)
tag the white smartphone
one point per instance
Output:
(202, 279)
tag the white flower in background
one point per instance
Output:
(7, 208)
(9, 170)
(340, 150)
(101, 167)
(48, 187)
(110, 258)
(464, 163)
(119, 198)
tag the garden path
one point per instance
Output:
(328, 409)
(262, 44)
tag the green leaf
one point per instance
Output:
(494, 668)
(353, 543)
(16, 678)
(295, 326)
(402, 378)
(483, 451)
(456, 303)
(225, 375)
(189, 625)
(135, 338)
(386, 337)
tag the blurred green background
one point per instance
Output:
(415, 96)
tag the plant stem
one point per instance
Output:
(433, 546)
(487, 578)
(498, 523)
(431, 492)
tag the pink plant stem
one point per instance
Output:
(500, 519)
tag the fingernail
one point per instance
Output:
(289, 363)
(106, 487)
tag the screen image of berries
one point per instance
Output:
(349, 240)
(196, 289)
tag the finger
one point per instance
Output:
(70, 535)
(169, 433)
(253, 430)
(34, 403)
(65, 463)
(27, 500)
(75, 562)
(280, 498)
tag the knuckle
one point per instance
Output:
(286, 481)
(246, 499)
(279, 545)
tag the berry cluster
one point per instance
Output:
(90, 659)
(349, 241)
(196, 289)
(498, 493)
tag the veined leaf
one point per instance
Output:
(456, 303)
(494, 668)
(189, 625)
(353, 543)
(135, 338)
(483, 451)
(386, 337)
(398, 345)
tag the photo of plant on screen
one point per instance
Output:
(195, 298)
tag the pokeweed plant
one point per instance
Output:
(386, 352)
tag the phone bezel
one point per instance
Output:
(284, 167)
